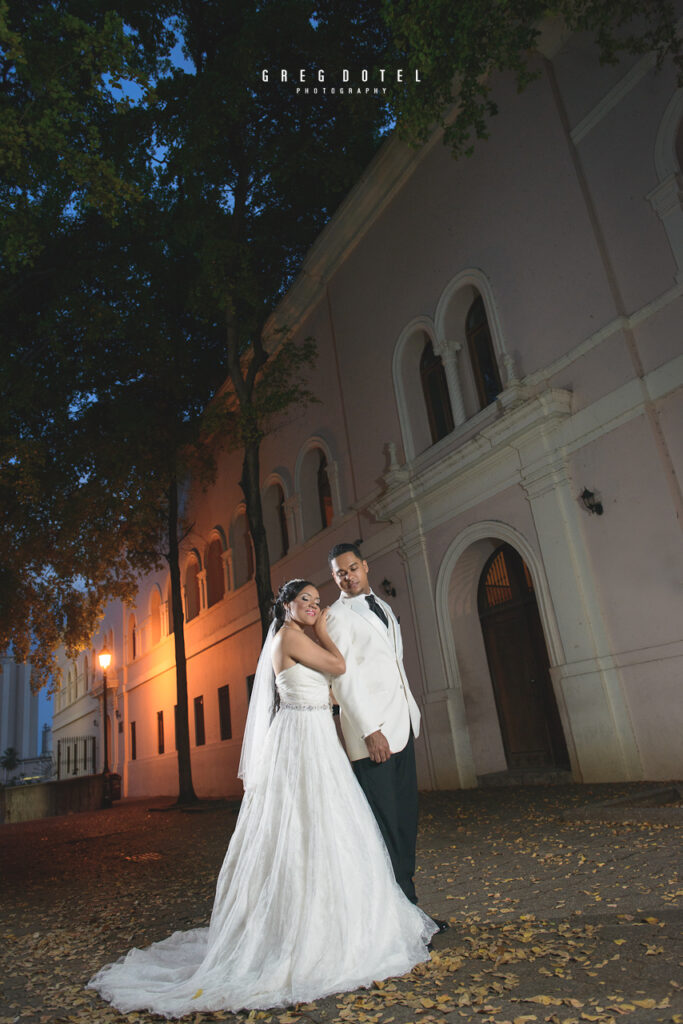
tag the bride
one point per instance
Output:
(306, 902)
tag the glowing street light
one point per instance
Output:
(104, 658)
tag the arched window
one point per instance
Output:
(215, 574)
(275, 522)
(192, 589)
(482, 356)
(324, 493)
(155, 616)
(242, 551)
(435, 390)
(316, 493)
(132, 638)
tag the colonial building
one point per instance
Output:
(500, 367)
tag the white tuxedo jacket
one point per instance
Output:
(374, 692)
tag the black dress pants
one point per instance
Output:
(391, 791)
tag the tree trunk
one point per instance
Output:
(251, 486)
(186, 793)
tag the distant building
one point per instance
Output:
(501, 369)
(18, 710)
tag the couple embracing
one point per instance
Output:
(316, 893)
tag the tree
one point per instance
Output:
(131, 323)
(9, 759)
(460, 46)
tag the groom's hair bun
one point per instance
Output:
(287, 592)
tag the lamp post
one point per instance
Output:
(104, 658)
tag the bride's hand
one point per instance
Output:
(321, 623)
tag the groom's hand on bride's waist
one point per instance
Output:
(378, 747)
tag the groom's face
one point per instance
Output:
(351, 574)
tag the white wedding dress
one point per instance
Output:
(306, 902)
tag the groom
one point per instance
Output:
(379, 716)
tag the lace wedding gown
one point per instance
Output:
(306, 902)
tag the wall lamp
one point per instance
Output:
(388, 587)
(590, 503)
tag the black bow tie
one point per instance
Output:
(376, 607)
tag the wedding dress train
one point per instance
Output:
(306, 902)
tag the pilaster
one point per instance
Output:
(446, 732)
(589, 683)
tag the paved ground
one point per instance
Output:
(553, 920)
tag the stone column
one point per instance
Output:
(226, 559)
(295, 522)
(333, 477)
(449, 356)
(201, 579)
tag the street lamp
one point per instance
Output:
(104, 658)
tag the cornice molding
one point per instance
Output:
(531, 418)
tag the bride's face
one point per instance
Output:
(305, 608)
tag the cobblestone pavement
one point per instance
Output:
(552, 920)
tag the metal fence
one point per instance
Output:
(76, 755)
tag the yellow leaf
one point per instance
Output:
(619, 942)
(543, 1000)
(198, 993)
(647, 1004)
(524, 1018)
(576, 1003)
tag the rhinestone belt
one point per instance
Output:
(305, 707)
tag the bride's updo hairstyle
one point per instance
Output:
(287, 592)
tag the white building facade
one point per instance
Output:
(501, 370)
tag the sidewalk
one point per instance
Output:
(553, 920)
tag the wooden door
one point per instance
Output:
(518, 662)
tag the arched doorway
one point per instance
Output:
(518, 661)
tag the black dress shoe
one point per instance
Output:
(443, 926)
